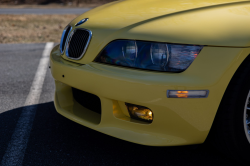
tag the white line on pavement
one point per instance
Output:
(16, 148)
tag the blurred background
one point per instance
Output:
(59, 3)
(39, 21)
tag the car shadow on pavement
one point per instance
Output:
(55, 140)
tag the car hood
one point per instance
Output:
(207, 22)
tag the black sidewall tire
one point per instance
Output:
(228, 133)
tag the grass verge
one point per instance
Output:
(32, 28)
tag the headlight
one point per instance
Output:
(149, 55)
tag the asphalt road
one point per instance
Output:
(16, 11)
(55, 140)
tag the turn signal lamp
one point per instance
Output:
(140, 112)
(187, 93)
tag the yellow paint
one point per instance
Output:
(177, 121)
(209, 22)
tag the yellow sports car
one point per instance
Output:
(159, 72)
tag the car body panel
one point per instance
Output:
(174, 21)
(176, 121)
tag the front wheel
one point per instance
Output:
(246, 118)
(230, 132)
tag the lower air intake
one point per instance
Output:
(87, 100)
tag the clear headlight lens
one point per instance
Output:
(159, 55)
(129, 52)
(149, 55)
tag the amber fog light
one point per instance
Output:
(140, 112)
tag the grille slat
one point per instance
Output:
(78, 51)
(85, 38)
(78, 43)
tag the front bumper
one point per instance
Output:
(176, 121)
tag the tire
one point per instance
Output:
(229, 130)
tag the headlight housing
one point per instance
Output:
(149, 55)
